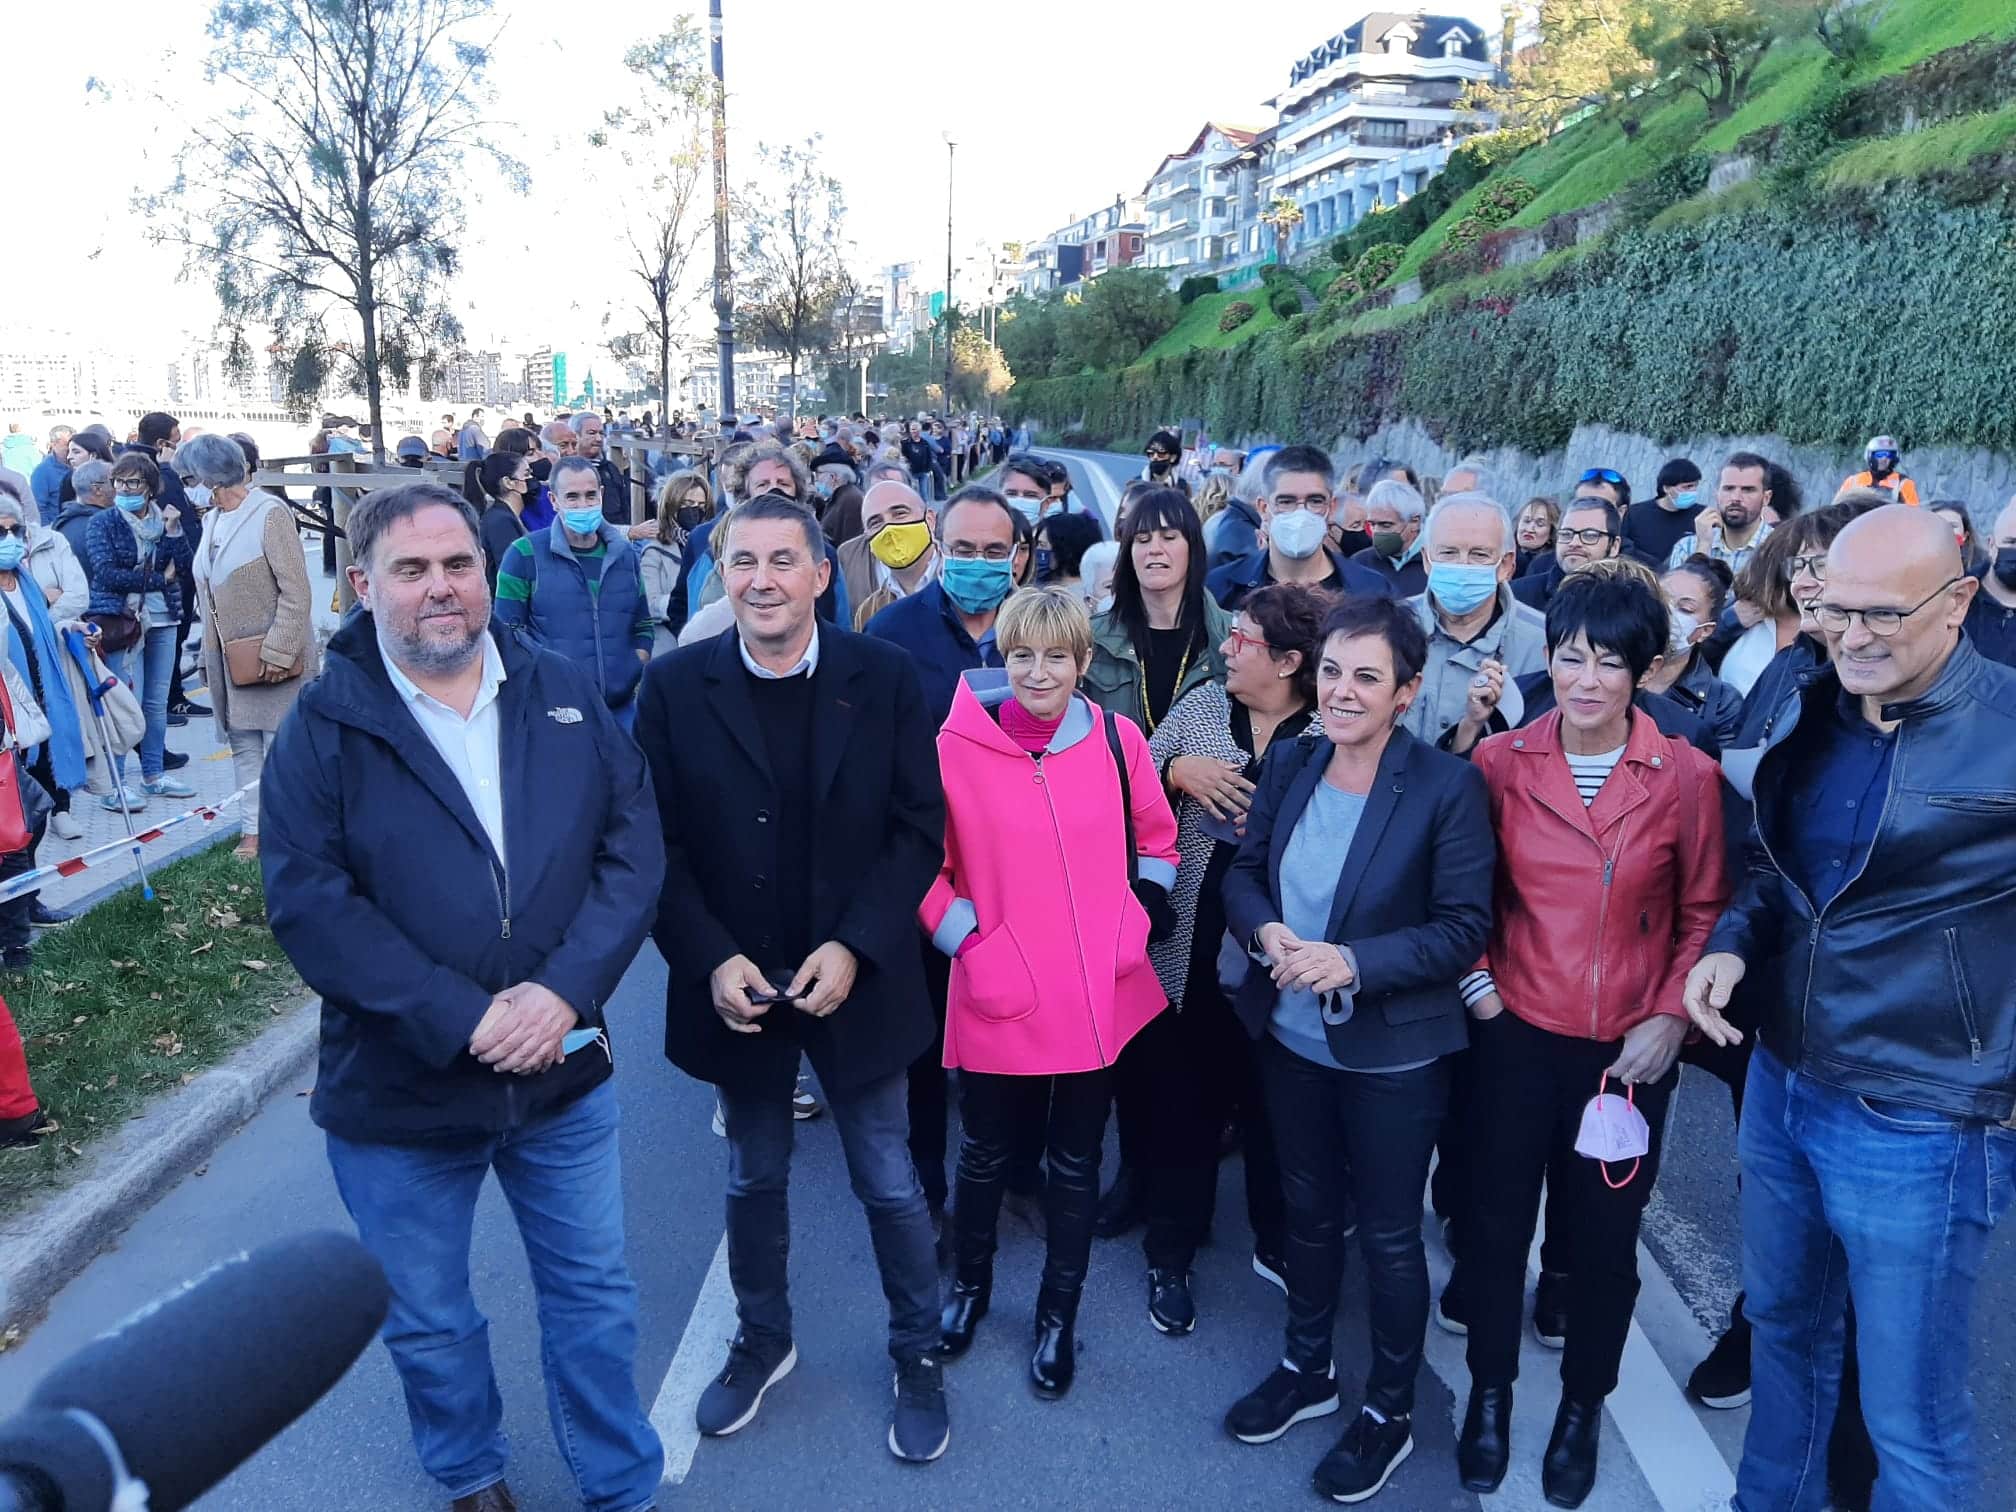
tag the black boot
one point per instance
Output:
(1123, 1206)
(1485, 1448)
(1055, 1361)
(1569, 1471)
(962, 1314)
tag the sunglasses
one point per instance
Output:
(1608, 475)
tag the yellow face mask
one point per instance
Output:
(897, 546)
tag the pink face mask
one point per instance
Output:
(1613, 1130)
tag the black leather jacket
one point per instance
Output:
(1904, 986)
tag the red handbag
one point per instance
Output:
(15, 831)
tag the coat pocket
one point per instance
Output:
(995, 977)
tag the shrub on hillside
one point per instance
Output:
(1195, 287)
(1285, 302)
(1236, 314)
(1378, 263)
(1344, 286)
(1503, 200)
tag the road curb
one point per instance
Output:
(43, 1250)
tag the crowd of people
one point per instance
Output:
(1405, 834)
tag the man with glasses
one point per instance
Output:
(1297, 498)
(1732, 531)
(894, 555)
(1591, 531)
(1163, 451)
(1884, 470)
(1878, 1144)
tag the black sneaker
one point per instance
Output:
(188, 710)
(919, 1428)
(16, 958)
(1271, 1269)
(731, 1399)
(25, 1130)
(1169, 1306)
(1285, 1398)
(174, 761)
(1452, 1310)
(1723, 1379)
(176, 721)
(1365, 1458)
(1550, 1309)
(44, 917)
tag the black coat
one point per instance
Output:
(1413, 895)
(384, 890)
(879, 818)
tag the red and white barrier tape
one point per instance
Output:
(125, 845)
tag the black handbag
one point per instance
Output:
(1154, 900)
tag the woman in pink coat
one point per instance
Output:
(1060, 850)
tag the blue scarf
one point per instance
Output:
(66, 740)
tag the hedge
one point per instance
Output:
(1821, 320)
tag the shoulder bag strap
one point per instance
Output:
(1126, 796)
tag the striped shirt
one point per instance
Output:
(1590, 772)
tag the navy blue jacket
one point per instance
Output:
(384, 890)
(926, 625)
(595, 628)
(1231, 583)
(1413, 895)
(116, 571)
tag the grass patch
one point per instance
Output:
(136, 998)
(1199, 324)
(1911, 32)
(1664, 133)
(1949, 145)
(1786, 80)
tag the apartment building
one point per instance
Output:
(1202, 201)
(1114, 237)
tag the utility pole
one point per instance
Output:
(950, 147)
(724, 274)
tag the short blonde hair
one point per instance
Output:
(1630, 567)
(1039, 617)
(1213, 495)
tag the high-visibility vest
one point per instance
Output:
(1896, 482)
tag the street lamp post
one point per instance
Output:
(724, 273)
(950, 147)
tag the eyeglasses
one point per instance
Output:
(1241, 641)
(1608, 475)
(1879, 622)
(1815, 564)
(966, 551)
(1590, 536)
(16, 529)
(1159, 456)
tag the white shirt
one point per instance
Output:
(808, 663)
(469, 746)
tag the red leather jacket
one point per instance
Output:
(1599, 913)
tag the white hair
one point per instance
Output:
(1092, 566)
(1480, 470)
(1406, 503)
(1470, 499)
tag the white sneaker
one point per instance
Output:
(64, 827)
(720, 1121)
(136, 800)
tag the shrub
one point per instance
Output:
(1503, 200)
(1236, 314)
(1195, 287)
(1344, 286)
(1378, 263)
(1285, 302)
(1466, 233)
(1681, 179)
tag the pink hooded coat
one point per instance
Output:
(1036, 865)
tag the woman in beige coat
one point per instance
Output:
(252, 579)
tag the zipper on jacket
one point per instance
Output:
(1596, 957)
(1077, 937)
(500, 883)
(1966, 997)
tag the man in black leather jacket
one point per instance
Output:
(1878, 1143)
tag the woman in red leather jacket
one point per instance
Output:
(1610, 876)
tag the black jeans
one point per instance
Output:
(15, 928)
(1530, 1088)
(1371, 1135)
(927, 1086)
(1202, 1066)
(874, 1137)
(994, 1108)
(1456, 1177)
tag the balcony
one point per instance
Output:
(1294, 129)
(1167, 190)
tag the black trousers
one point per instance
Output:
(1203, 1067)
(1072, 1112)
(1371, 1136)
(927, 1084)
(1530, 1088)
(15, 928)
(1456, 1176)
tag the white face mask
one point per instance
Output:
(1297, 533)
(1613, 1130)
(1683, 628)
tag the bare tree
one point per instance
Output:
(793, 268)
(662, 136)
(323, 201)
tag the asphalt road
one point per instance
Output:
(1141, 1429)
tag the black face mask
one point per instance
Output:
(2005, 566)
(1351, 541)
(689, 517)
(1159, 466)
(542, 468)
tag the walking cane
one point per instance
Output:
(95, 690)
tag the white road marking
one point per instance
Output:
(1105, 492)
(702, 1347)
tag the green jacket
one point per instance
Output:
(1115, 679)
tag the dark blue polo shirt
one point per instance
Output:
(1832, 800)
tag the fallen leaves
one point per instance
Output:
(169, 1044)
(256, 965)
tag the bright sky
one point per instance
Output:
(1056, 105)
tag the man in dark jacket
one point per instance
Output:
(803, 822)
(94, 493)
(160, 433)
(460, 857)
(1297, 502)
(588, 428)
(1878, 1143)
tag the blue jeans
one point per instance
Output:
(149, 666)
(415, 1205)
(874, 1126)
(1894, 1204)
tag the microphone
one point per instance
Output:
(153, 1414)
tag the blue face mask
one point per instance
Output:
(1686, 500)
(131, 503)
(583, 521)
(12, 549)
(976, 584)
(1460, 587)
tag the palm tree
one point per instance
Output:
(1284, 215)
